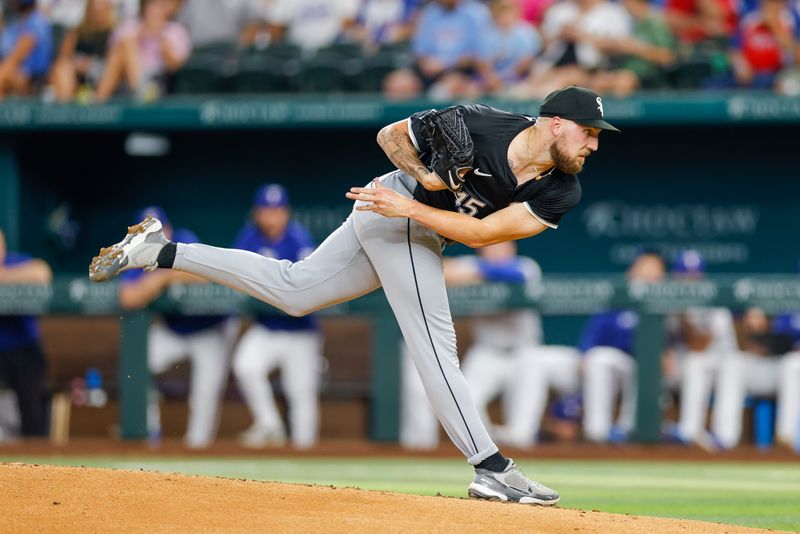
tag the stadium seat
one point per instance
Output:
(219, 51)
(255, 74)
(689, 74)
(348, 50)
(373, 72)
(324, 73)
(375, 68)
(280, 50)
(199, 75)
(399, 48)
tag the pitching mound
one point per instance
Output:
(37, 498)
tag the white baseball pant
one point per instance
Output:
(739, 375)
(297, 355)
(608, 372)
(208, 351)
(698, 374)
(787, 426)
(523, 379)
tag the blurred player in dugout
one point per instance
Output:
(204, 340)
(22, 362)
(700, 339)
(610, 368)
(768, 365)
(276, 340)
(507, 359)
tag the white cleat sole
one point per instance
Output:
(478, 491)
(114, 259)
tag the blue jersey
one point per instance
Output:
(515, 270)
(294, 245)
(37, 26)
(788, 324)
(180, 324)
(613, 328)
(450, 35)
(17, 331)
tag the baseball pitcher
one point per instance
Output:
(471, 174)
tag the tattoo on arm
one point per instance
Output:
(398, 147)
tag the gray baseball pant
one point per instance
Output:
(368, 251)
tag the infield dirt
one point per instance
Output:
(35, 498)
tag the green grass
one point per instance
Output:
(765, 495)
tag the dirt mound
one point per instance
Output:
(37, 498)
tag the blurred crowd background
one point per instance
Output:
(92, 50)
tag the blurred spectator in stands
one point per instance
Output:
(65, 14)
(68, 14)
(312, 24)
(83, 50)
(172, 338)
(699, 341)
(276, 340)
(766, 43)
(385, 22)
(234, 22)
(508, 47)
(26, 47)
(22, 362)
(698, 21)
(446, 45)
(753, 371)
(144, 50)
(571, 29)
(609, 365)
(640, 60)
(533, 10)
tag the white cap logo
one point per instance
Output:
(600, 106)
(273, 195)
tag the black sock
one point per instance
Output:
(167, 255)
(496, 462)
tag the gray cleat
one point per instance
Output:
(510, 486)
(139, 250)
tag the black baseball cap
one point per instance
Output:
(577, 104)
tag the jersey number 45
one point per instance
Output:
(468, 205)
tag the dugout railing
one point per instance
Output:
(555, 295)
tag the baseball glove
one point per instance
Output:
(452, 150)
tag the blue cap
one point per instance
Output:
(271, 196)
(689, 261)
(155, 211)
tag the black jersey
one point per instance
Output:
(491, 186)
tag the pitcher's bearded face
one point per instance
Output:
(570, 162)
(573, 144)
